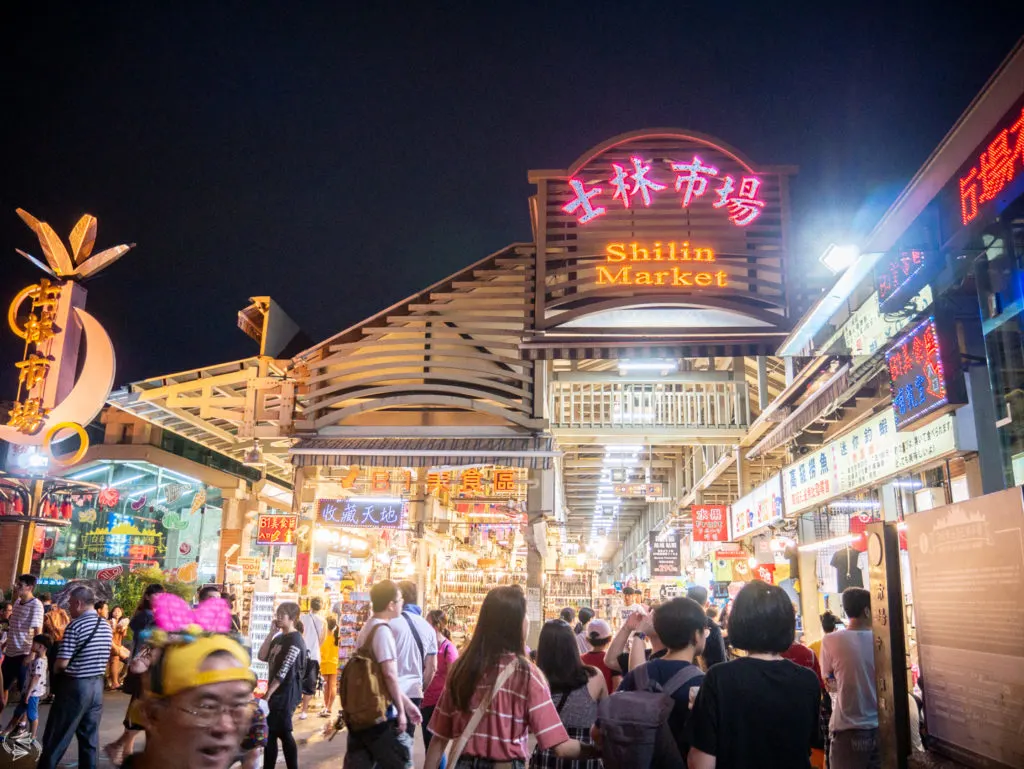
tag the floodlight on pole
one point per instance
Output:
(839, 258)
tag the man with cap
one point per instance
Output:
(714, 647)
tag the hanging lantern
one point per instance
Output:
(65, 510)
(19, 506)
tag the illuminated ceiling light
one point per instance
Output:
(662, 366)
(124, 481)
(839, 258)
(89, 473)
(616, 449)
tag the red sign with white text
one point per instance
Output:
(276, 529)
(710, 523)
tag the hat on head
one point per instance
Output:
(179, 666)
(598, 629)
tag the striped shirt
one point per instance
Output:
(521, 707)
(26, 620)
(89, 660)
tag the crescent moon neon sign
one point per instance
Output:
(52, 403)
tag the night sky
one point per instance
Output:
(341, 160)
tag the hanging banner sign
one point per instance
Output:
(864, 457)
(361, 513)
(639, 489)
(665, 553)
(759, 508)
(276, 529)
(710, 523)
(869, 329)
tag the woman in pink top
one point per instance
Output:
(521, 707)
(446, 655)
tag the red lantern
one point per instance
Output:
(19, 506)
(65, 510)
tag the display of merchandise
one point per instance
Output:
(461, 594)
(355, 611)
(244, 607)
(575, 590)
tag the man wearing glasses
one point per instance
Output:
(78, 685)
(25, 623)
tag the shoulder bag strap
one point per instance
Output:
(681, 679)
(85, 643)
(561, 702)
(478, 714)
(416, 636)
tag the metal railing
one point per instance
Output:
(649, 404)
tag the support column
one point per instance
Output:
(231, 533)
(418, 522)
(983, 408)
(743, 482)
(790, 370)
(762, 382)
(304, 549)
(540, 498)
(10, 553)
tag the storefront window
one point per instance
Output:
(143, 515)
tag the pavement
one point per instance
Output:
(314, 749)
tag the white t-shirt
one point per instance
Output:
(849, 656)
(38, 667)
(410, 661)
(383, 642)
(314, 631)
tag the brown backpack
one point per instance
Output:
(364, 693)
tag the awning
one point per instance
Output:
(535, 452)
(805, 414)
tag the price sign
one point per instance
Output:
(276, 529)
(250, 566)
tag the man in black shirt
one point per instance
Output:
(714, 649)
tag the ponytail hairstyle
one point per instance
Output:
(439, 620)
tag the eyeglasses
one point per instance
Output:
(206, 716)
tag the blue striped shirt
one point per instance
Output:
(90, 659)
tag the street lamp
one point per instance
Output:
(839, 258)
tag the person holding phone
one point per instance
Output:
(285, 655)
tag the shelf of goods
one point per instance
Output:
(575, 590)
(355, 611)
(461, 593)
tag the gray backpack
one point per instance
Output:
(634, 725)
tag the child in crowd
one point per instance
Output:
(38, 681)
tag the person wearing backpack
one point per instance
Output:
(761, 709)
(495, 698)
(373, 704)
(285, 655)
(576, 689)
(314, 631)
(643, 724)
(416, 644)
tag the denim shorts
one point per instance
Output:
(31, 709)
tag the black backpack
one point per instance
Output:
(634, 725)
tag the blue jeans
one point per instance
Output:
(76, 711)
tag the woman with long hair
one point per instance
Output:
(118, 651)
(575, 688)
(494, 685)
(446, 656)
(142, 620)
(329, 665)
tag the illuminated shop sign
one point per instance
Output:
(629, 264)
(902, 275)
(639, 489)
(924, 376)
(691, 180)
(360, 513)
(861, 458)
(276, 529)
(759, 508)
(994, 167)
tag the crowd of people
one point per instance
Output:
(671, 688)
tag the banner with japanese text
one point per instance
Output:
(863, 457)
(710, 523)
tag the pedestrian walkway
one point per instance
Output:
(307, 733)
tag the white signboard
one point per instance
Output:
(869, 329)
(759, 508)
(863, 457)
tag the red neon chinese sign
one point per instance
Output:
(276, 529)
(692, 181)
(995, 168)
(921, 376)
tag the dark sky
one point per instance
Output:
(340, 160)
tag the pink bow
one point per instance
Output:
(173, 615)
